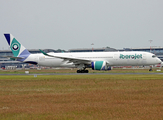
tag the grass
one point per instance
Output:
(69, 97)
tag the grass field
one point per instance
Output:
(79, 97)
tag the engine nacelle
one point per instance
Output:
(100, 65)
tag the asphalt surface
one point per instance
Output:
(88, 74)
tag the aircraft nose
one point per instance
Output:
(159, 60)
(161, 63)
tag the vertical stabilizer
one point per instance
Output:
(16, 47)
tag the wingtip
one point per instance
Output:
(42, 52)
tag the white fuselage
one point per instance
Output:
(112, 58)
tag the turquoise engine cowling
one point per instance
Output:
(100, 65)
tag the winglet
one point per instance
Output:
(43, 52)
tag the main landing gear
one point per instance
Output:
(82, 71)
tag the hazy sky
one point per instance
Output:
(68, 24)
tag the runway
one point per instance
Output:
(85, 74)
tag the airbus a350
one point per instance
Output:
(81, 60)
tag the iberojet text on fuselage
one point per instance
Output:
(130, 56)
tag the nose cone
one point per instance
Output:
(159, 61)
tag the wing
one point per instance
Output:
(70, 59)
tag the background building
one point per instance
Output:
(105, 49)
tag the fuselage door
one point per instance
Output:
(116, 59)
(144, 59)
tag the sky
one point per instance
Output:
(70, 24)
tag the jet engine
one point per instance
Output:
(100, 65)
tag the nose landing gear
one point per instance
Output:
(150, 68)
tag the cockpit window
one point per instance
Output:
(153, 56)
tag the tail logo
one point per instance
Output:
(15, 46)
(17, 49)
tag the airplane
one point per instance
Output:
(81, 60)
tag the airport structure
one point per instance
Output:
(7, 63)
(104, 49)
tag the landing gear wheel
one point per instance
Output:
(86, 71)
(150, 69)
(82, 71)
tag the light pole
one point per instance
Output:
(92, 46)
(150, 44)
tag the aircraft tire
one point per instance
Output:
(78, 71)
(82, 71)
(86, 71)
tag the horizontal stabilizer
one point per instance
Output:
(13, 57)
(10, 62)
